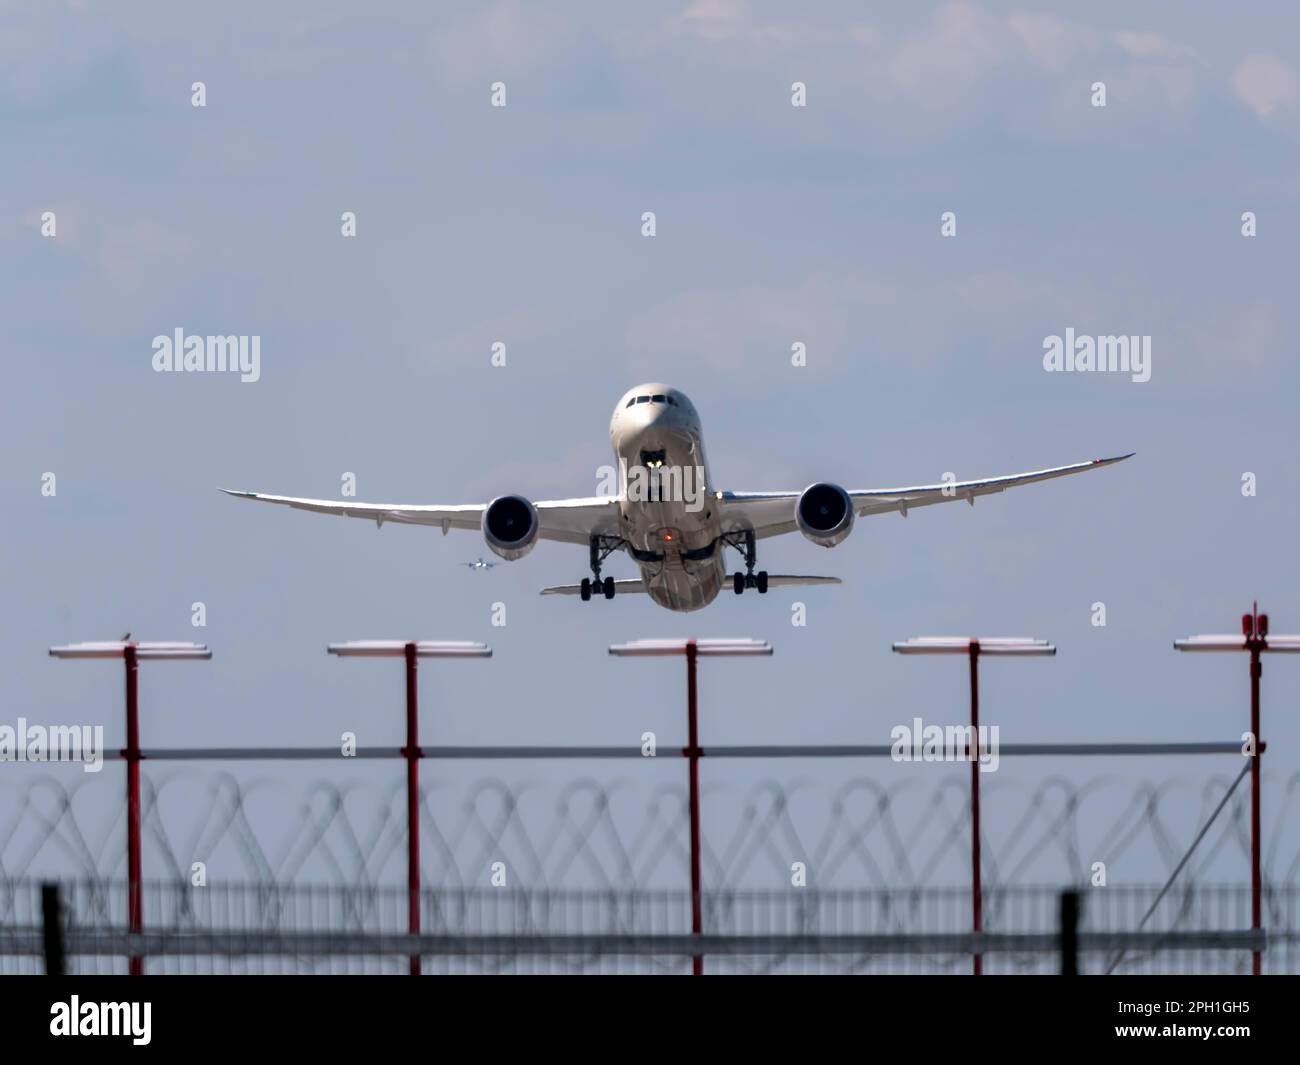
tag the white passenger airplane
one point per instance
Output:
(677, 538)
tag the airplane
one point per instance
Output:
(677, 537)
(480, 564)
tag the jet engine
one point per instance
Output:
(824, 514)
(510, 527)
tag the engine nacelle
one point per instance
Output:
(510, 527)
(824, 514)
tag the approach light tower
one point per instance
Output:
(1254, 639)
(412, 651)
(973, 647)
(132, 653)
(693, 649)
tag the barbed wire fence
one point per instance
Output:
(314, 886)
(620, 834)
(209, 866)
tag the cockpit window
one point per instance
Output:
(631, 401)
(658, 399)
(643, 399)
(672, 402)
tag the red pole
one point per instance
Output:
(135, 907)
(976, 896)
(412, 754)
(693, 753)
(1256, 668)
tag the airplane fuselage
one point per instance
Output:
(672, 533)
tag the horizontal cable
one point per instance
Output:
(263, 754)
(324, 944)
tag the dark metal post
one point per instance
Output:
(1255, 642)
(693, 753)
(135, 902)
(1070, 932)
(977, 905)
(52, 927)
(412, 754)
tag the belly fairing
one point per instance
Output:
(685, 587)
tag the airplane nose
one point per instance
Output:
(652, 427)
(649, 413)
(660, 445)
(643, 419)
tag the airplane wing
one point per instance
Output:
(772, 513)
(566, 520)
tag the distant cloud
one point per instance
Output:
(964, 45)
(714, 20)
(1264, 84)
(961, 44)
(1151, 46)
(1050, 41)
(728, 20)
(499, 40)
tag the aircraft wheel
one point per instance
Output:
(762, 582)
(609, 587)
(738, 582)
(584, 590)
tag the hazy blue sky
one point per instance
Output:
(775, 224)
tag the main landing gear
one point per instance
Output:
(601, 548)
(748, 579)
(588, 586)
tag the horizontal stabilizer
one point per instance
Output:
(620, 588)
(782, 580)
(775, 580)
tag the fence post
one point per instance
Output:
(412, 753)
(693, 752)
(134, 899)
(1069, 932)
(977, 877)
(52, 929)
